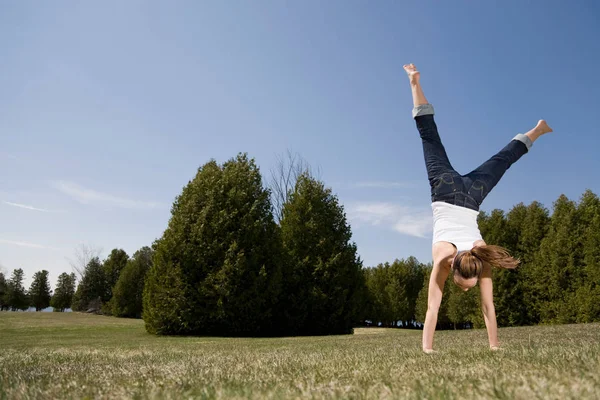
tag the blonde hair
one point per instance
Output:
(469, 264)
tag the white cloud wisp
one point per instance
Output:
(406, 220)
(25, 206)
(93, 197)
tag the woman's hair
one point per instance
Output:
(469, 264)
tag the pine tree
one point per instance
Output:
(443, 320)
(557, 267)
(379, 286)
(65, 290)
(216, 268)
(533, 230)
(508, 284)
(113, 265)
(16, 297)
(40, 292)
(322, 278)
(92, 289)
(128, 292)
(3, 288)
(586, 299)
(464, 308)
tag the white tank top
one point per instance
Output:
(455, 224)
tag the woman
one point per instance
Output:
(457, 243)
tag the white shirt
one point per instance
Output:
(455, 224)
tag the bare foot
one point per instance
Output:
(413, 74)
(543, 127)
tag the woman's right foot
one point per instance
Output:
(413, 74)
(543, 127)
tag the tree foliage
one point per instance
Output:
(92, 289)
(216, 268)
(65, 290)
(39, 291)
(15, 297)
(3, 288)
(128, 291)
(323, 281)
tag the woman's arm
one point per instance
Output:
(439, 274)
(487, 305)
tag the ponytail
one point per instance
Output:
(496, 256)
(469, 264)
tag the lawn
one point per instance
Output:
(71, 355)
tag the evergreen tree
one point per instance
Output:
(443, 320)
(65, 290)
(128, 292)
(113, 265)
(533, 230)
(508, 284)
(586, 299)
(464, 308)
(3, 304)
(216, 268)
(378, 281)
(16, 297)
(39, 291)
(92, 289)
(322, 278)
(557, 267)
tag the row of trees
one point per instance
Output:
(114, 286)
(558, 280)
(13, 295)
(238, 258)
(225, 267)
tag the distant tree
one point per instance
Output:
(65, 290)
(533, 230)
(414, 283)
(112, 266)
(463, 307)
(323, 272)
(92, 288)
(216, 269)
(586, 299)
(39, 291)
(558, 266)
(3, 289)
(16, 297)
(443, 320)
(128, 291)
(381, 309)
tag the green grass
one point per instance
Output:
(55, 355)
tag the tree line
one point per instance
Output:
(558, 280)
(13, 295)
(238, 258)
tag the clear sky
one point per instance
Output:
(108, 108)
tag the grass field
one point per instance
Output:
(70, 355)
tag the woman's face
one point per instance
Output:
(464, 284)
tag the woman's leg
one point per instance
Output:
(488, 174)
(436, 159)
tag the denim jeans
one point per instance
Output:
(449, 186)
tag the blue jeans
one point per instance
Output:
(449, 186)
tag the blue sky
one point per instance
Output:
(108, 108)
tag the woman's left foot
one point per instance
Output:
(542, 127)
